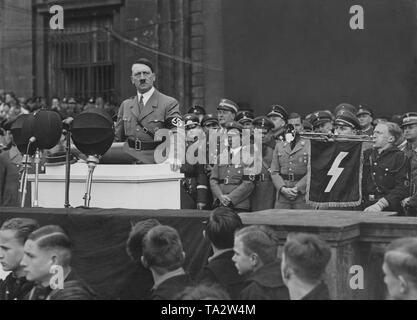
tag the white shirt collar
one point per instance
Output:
(218, 253)
(146, 96)
(166, 276)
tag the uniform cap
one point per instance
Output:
(409, 118)
(244, 116)
(346, 118)
(320, 117)
(262, 122)
(277, 110)
(191, 120)
(229, 105)
(197, 110)
(344, 106)
(209, 118)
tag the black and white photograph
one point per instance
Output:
(236, 151)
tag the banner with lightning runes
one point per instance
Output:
(335, 174)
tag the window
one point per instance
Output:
(81, 59)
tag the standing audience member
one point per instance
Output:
(264, 193)
(255, 257)
(409, 125)
(385, 171)
(164, 256)
(220, 230)
(138, 285)
(289, 170)
(304, 261)
(400, 269)
(13, 234)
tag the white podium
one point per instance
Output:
(152, 186)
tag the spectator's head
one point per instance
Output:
(295, 120)
(221, 227)
(279, 116)
(400, 269)
(13, 235)
(162, 250)
(136, 235)
(254, 247)
(304, 258)
(322, 121)
(226, 111)
(346, 123)
(365, 116)
(4, 111)
(204, 291)
(386, 134)
(409, 125)
(55, 103)
(46, 247)
(143, 75)
(10, 97)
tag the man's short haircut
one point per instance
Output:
(307, 255)
(51, 237)
(203, 291)
(401, 258)
(261, 240)
(162, 248)
(394, 130)
(294, 115)
(136, 235)
(23, 227)
(221, 227)
(146, 62)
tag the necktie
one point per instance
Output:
(141, 104)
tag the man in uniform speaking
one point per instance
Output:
(142, 115)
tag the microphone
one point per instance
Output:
(32, 139)
(67, 123)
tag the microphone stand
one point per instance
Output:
(37, 163)
(67, 166)
(92, 162)
(24, 179)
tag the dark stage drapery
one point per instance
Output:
(99, 237)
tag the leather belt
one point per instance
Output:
(292, 177)
(140, 145)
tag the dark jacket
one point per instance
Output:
(265, 284)
(195, 186)
(222, 270)
(12, 288)
(138, 285)
(9, 177)
(74, 289)
(171, 287)
(385, 175)
(320, 292)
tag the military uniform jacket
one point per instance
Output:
(195, 182)
(9, 177)
(228, 180)
(263, 196)
(158, 108)
(286, 162)
(12, 288)
(265, 284)
(412, 156)
(386, 175)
